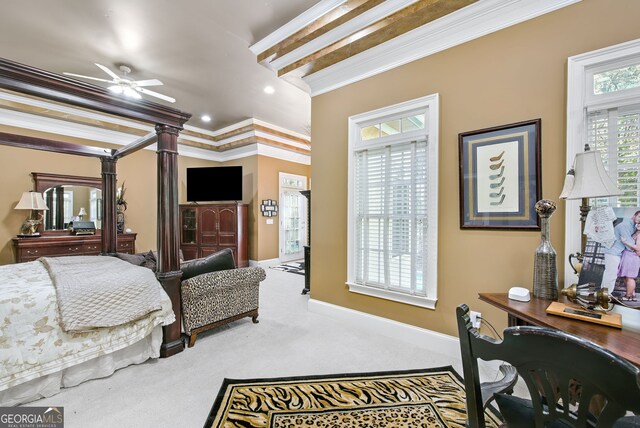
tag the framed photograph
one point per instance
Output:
(500, 177)
(624, 285)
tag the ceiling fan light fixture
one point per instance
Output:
(124, 85)
(132, 93)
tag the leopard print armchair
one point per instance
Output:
(217, 298)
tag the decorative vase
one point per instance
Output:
(119, 219)
(545, 272)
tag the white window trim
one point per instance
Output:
(429, 105)
(579, 68)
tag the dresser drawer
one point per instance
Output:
(126, 247)
(29, 249)
(91, 249)
(29, 254)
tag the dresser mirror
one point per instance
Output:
(69, 198)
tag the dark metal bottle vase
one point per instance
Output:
(545, 271)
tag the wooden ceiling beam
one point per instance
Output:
(409, 18)
(333, 19)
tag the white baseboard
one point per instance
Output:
(267, 263)
(428, 339)
(445, 344)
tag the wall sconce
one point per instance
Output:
(269, 208)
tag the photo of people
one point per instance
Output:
(616, 264)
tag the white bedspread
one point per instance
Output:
(95, 292)
(32, 343)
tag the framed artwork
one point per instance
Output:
(500, 177)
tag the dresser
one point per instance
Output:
(29, 249)
(208, 228)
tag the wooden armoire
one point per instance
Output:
(208, 228)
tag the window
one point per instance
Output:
(393, 196)
(603, 110)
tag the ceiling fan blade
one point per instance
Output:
(155, 94)
(150, 82)
(109, 72)
(86, 77)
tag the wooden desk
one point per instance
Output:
(625, 342)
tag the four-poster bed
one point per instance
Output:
(167, 122)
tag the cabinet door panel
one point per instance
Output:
(227, 233)
(208, 226)
(189, 252)
(189, 225)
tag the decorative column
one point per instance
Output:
(109, 235)
(168, 272)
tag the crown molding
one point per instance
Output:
(347, 29)
(298, 23)
(474, 21)
(59, 127)
(99, 129)
(255, 149)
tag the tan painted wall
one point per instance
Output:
(268, 188)
(513, 75)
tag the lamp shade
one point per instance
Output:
(31, 201)
(591, 179)
(82, 211)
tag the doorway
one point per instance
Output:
(293, 217)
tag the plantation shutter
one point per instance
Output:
(615, 132)
(391, 217)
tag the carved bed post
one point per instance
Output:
(169, 273)
(109, 233)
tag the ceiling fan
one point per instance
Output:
(126, 86)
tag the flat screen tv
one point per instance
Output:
(218, 183)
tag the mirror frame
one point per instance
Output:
(43, 181)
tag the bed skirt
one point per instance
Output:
(103, 366)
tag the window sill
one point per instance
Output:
(420, 301)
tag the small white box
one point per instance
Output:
(520, 294)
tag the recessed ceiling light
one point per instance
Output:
(269, 90)
(205, 118)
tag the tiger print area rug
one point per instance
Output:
(416, 398)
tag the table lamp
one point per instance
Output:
(587, 179)
(82, 213)
(35, 202)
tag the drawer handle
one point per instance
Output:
(73, 249)
(124, 245)
(31, 253)
(93, 248)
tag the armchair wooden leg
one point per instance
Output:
(192, 339)
(254, 318)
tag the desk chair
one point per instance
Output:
(562, 372)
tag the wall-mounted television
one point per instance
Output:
(218, 183)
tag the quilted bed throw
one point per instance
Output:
(99, 291)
